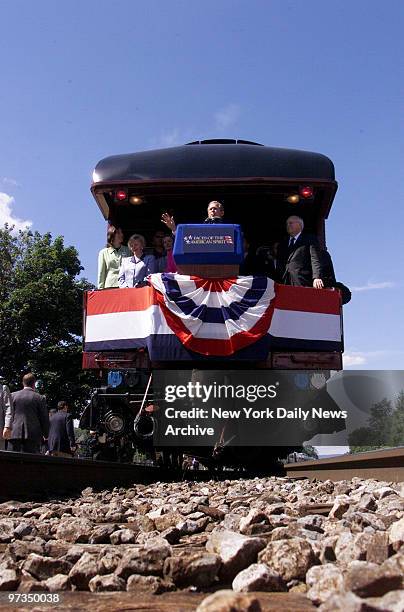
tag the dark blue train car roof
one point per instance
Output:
(214, 159)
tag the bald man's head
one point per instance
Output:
(294, 225)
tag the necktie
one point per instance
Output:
(134, 272)
(292, 243)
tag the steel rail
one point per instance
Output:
(26, 476)
(386, 464)
(29, 476)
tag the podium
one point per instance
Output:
(208, 250)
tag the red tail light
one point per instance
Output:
(306, 191)
(121, 195)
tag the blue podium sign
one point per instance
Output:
(216, 243)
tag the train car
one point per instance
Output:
(130, 333)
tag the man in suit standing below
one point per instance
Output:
(61, 439)
(6, 414)
(299, 257)
(30, 421)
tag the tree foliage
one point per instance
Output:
(41, 301)
(310, 451)
(385, 427)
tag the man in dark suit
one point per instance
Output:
(61, 439)
(252, 265)
(30, 422)
(215, 212)
(299, 257)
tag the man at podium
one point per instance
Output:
(215, 215)
(207, 253)
(215, 212)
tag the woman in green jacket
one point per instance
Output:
(110, 258)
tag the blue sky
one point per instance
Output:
(81, 81)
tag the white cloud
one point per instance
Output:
(227, 116)
(382, 359)
(354, 359)
(220, 121)
(170, 138)
(370, 286)
(9, 181)
(7, 215)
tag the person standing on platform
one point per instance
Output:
(169, 262)
(30, 422)
(110, 258)
(61, 440)
(215, 212)
(158, 251)
(299, 257)
(135, 269)
(252, 264)
(215, 215)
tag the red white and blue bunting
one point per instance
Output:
(185, 317)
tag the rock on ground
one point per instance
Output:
(235, 551)
(291, 559)
(228, 601)
(257, 577)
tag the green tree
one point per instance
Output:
(310, 451)
(361, 440)
(397, 436)
(380, 422)
(41, 301)
(385, 427)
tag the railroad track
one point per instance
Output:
(28, 476)
(387, 464)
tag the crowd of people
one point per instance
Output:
(27, 426)
(128, 266)
(294, 260)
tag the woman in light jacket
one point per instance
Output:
(110, 258)
(133, 270)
